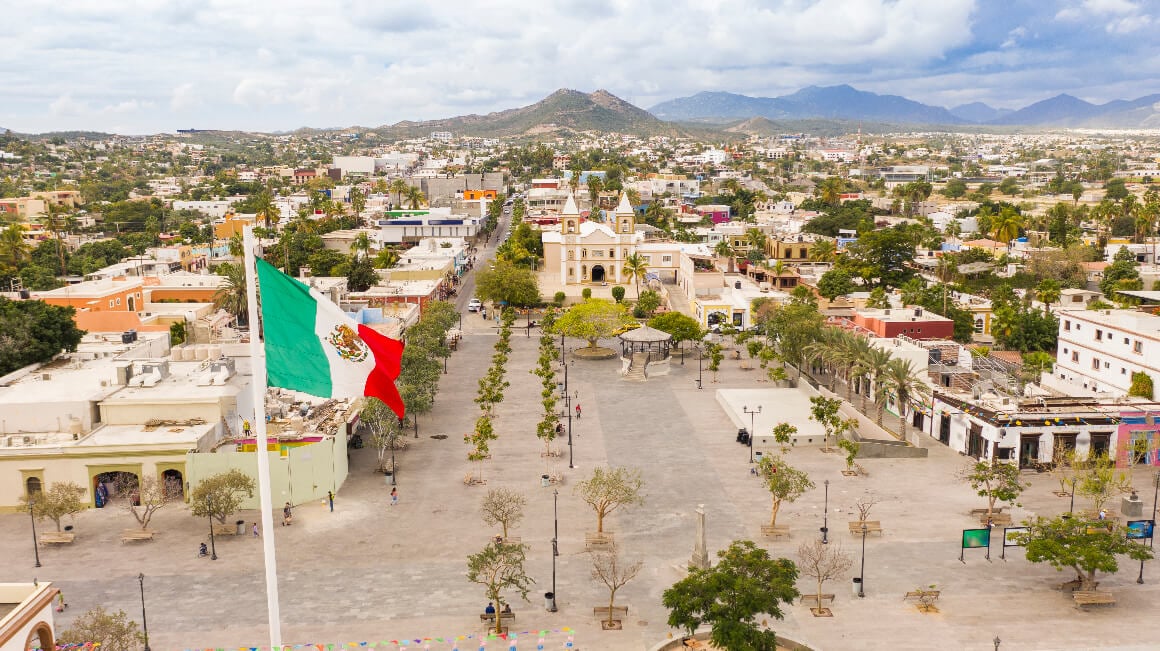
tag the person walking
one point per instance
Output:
(394, 496)
(286, 516)
(577, 411)
(330, 500)
(256, 535)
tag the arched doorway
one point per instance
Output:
(32, 486)
(131, 303)
(40, 637)
(716, 319)
(107, 486)
(174, 483)
(597, 273)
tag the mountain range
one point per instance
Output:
(847, 103)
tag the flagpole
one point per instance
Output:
(258, 362)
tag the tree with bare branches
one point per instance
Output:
(823, 563)
(144, 498)
(863, 505)
(503, 507)
(613, 571)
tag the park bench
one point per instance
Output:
(510, 540)
(470, 480)
(998, 519)
(1075, 584)
(57, 537)
(872, 526)
(490, 617)
(813, 598)
(778, 531)
(597, 540)
(1093, 598)
(922, 595)
(129, 535)
(225, 530)
(617, 611)
(983, 512)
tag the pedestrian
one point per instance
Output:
(256, 530)
(330, 499)
(394, 496)
(577, 411)
(246, 427)
(286, 516)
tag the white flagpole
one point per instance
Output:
(258, 362)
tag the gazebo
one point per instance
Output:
(645, 351)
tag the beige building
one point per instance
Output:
(589, 252)
(26, 616)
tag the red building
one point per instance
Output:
(914, 322)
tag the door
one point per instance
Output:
(1099, 445)
(944, 430)
(975, 441)
(1028, 451)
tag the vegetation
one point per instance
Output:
(145, 498)
(499, 568)
(102, 629)
(822, 562)
(504, 283)
(33, 332)
(594, 319)
(220, 496)
(1082, 545)
(784, 482)
(503, 507)
(609, 489)
(614, 572)
(730, 596)
(385, 428)
(998, 482)
(60, 500)
(1141, 385)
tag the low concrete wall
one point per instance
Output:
(702, 635)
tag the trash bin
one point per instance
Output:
(390, 478)
(757, 456)
(545, 481)
(743, 436)
(550, 601)
(241, 524)
(857, 586)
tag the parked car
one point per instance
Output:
(474, 305)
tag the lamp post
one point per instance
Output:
(862, 571)
(752, 414)
(144, 622)
(445, 354)
(35, 545)
(699, 358)
(997, 641)
(826, 515)
(555, 538)
(1155, 494)
(209, 516)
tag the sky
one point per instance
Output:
(149, 66)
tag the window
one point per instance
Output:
(1066, 325)
(667, 259)
(1065, 350)
(1123, 371)
(1138, 348)
(1096, 363)
(1075, 356)
(1125, 341)
(1107, 364)
(1099, 335)
(612, 253)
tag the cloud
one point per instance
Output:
(281, 64)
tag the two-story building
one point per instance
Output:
(590, 252)
(1100, 350)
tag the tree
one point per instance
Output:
(822, 563)
(881, 258)
(618, 293)
(503, 507)
(609, 489)
(60, 500)
(104, 630)
(231, 296)
(823, 251)
(729, 596)
(144, 498)
(635, 267)
(835, 283)
(358, 202)
(1009, 186)
(715, 356)
(681, 326)
(998, 482)
(504, 283)
(613, 571)
(220, 496)
(646, 304)
(784, 482)
(399, 186)
(824, 411)
(14, 251)
(1122, 273)
(385, 429)
(1141, 385)
(499, 567)
(905, 382)
(594, 319)
(782, 433)
(1048, 291)
(1082, 545)
(33, 332)
(415, 197)
(850, 447)
(360, 275)
(878, 299)
(1097, 479)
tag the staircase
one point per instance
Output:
(636, 367)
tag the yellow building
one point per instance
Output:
(591, 252)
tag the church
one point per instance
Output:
(589, 252)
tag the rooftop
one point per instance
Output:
(1127, 320)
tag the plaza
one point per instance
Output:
(370, 572)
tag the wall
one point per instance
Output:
(35, 611)
(77, 466)
(132, 413)
(303, 474)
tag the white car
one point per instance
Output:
(474, 305)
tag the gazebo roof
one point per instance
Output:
(644, 335)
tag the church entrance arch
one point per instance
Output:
(597, 274)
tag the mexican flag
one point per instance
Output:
(312, 346)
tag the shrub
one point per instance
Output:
(618, 293)
(586, 293)
(558, 299)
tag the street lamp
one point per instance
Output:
(555, 548)
(699, 358)
(445, 354)
(568, 409)
(144, 622)
(209, 516)
(35, 546)
(752, 415)
(862, 571)
(996, 641)
(826, 515)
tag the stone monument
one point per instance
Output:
(700, 552)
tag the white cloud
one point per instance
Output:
(184, 97)
(66, 105)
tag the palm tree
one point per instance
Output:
(1048, 291)
(756, 240)
(266, 209)
(361, 245)
(13, 249)
(904, 382)
(386, 258)
(231, 296)
(237, 245)
(399, 186)
(874, 364)
(415, 197)
(954, 229)
(823, 251)
(358, 202)
(634, 269)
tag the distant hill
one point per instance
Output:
(848, 103)
(564, 109)
(826, 102)
(979, 112)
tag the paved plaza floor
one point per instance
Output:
(372, 572)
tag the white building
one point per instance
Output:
(355, 165)
(216, 208)
(1100, 349)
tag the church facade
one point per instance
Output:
(591, 252)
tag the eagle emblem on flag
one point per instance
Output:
(348, 344)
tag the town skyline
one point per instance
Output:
(263, 68)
